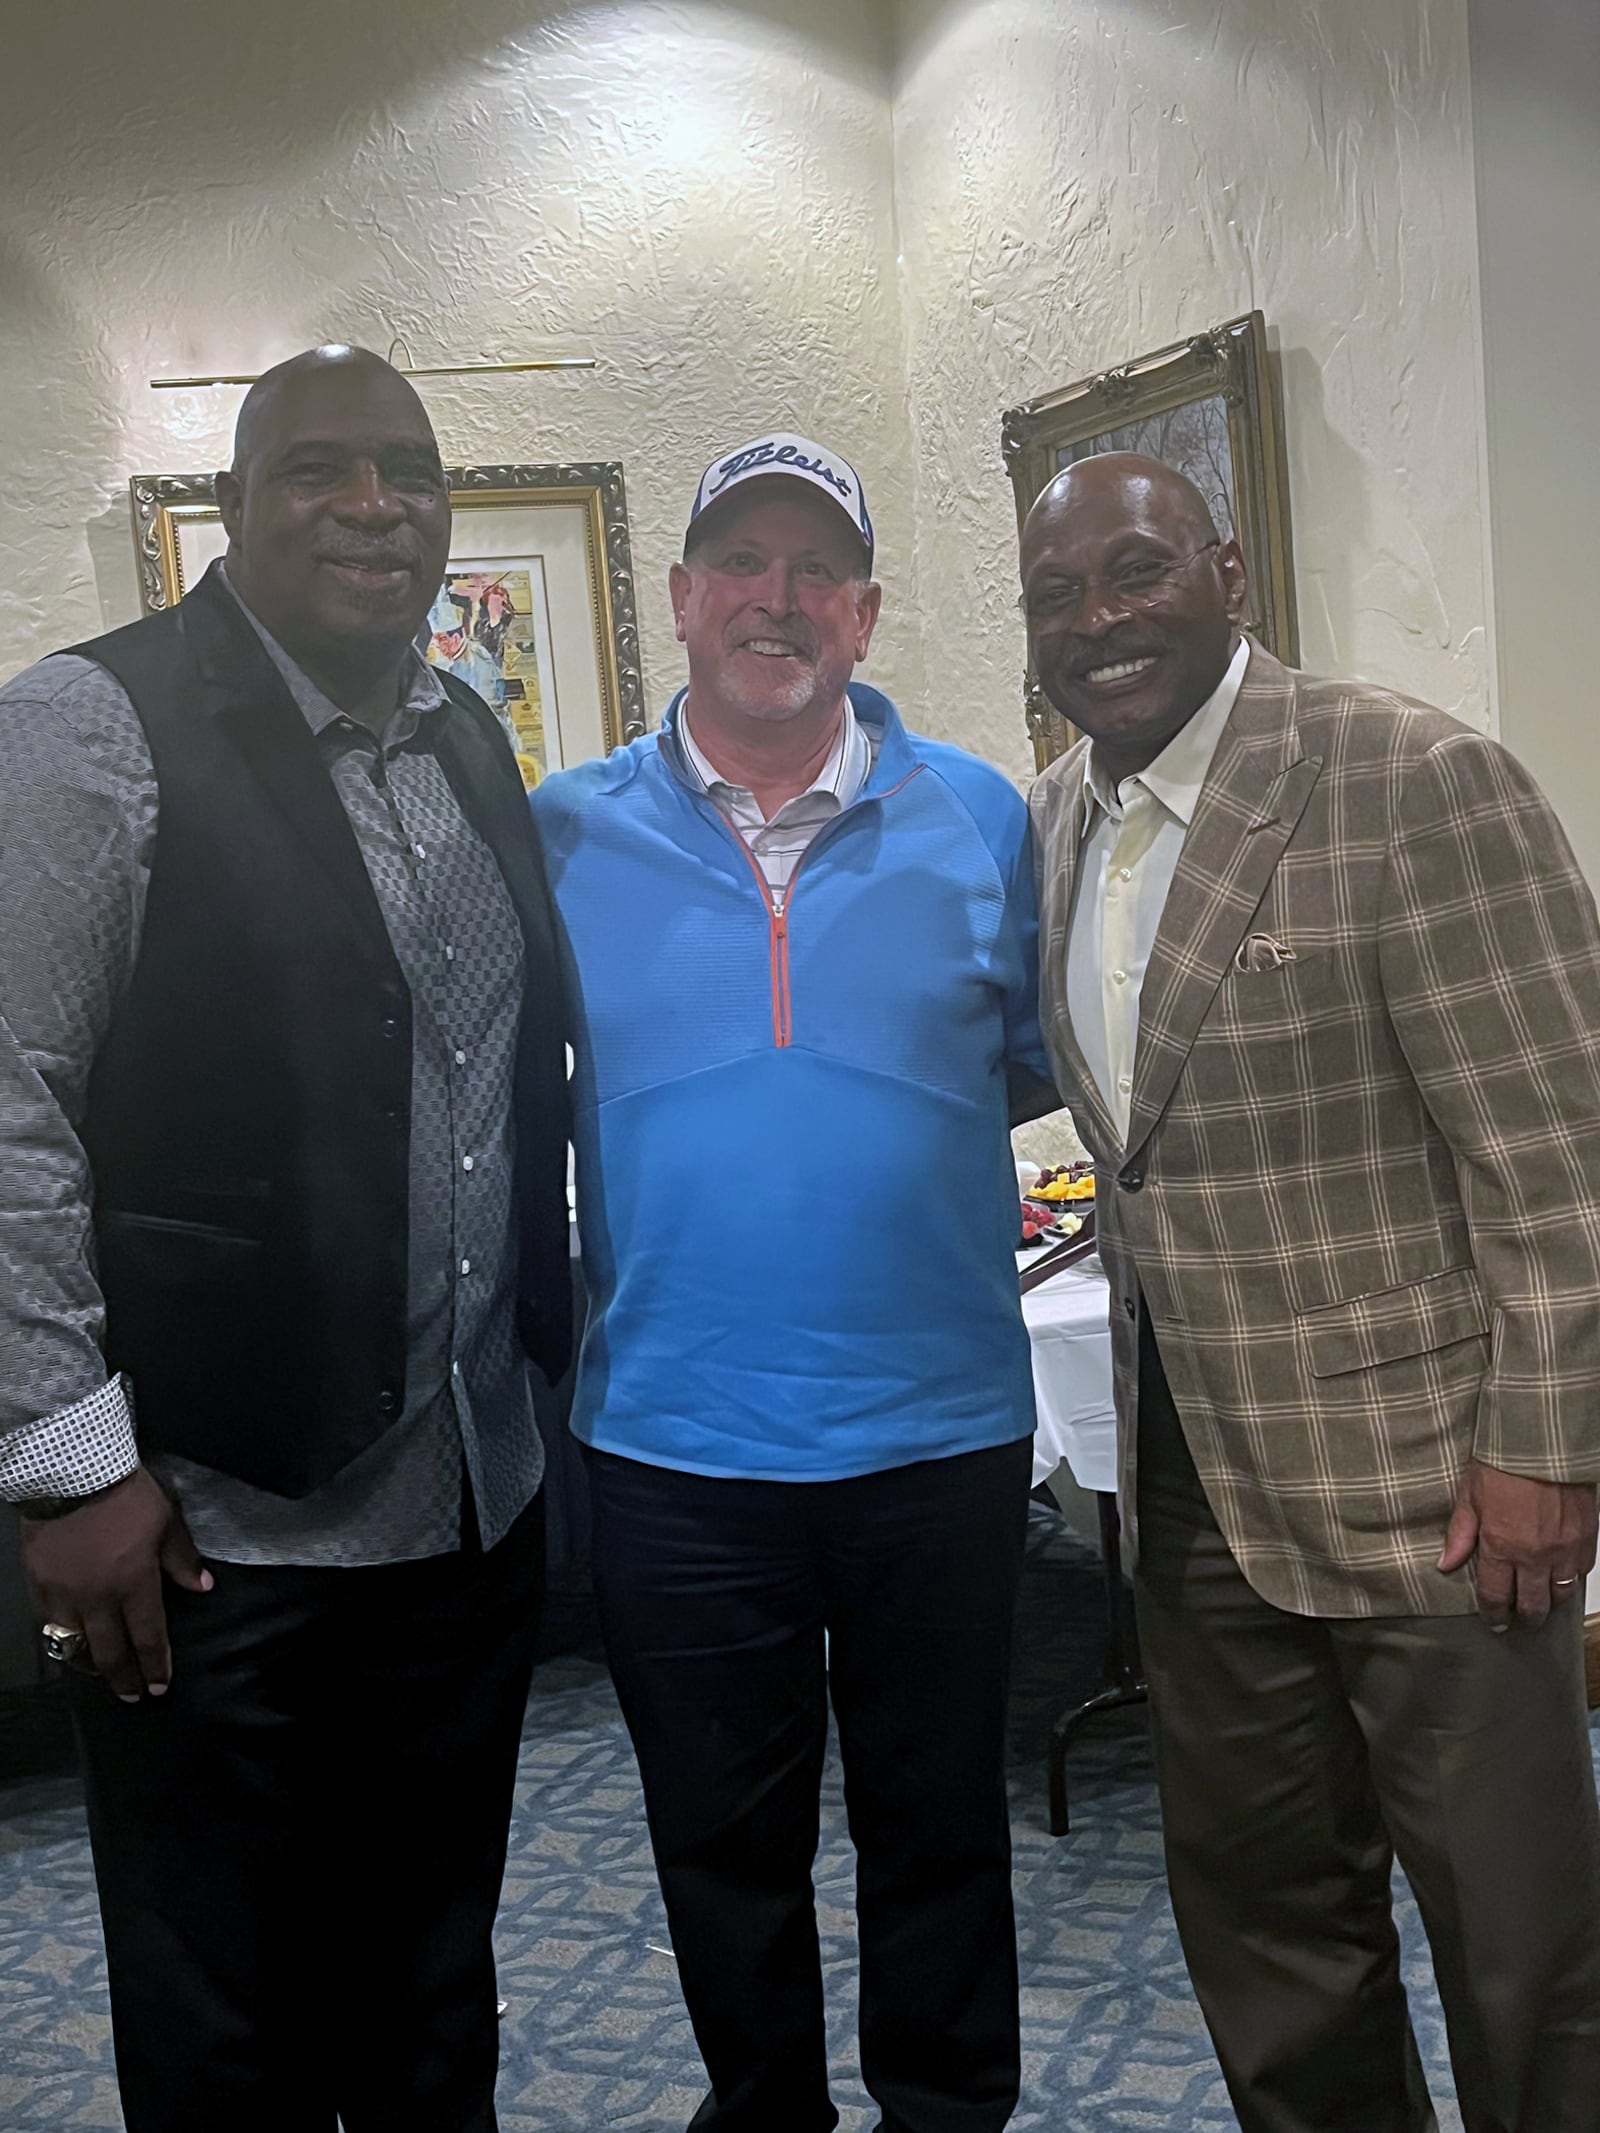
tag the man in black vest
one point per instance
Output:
(283, 1213)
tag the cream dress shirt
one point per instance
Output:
(1132, 836)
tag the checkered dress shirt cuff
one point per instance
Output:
(76, 1450)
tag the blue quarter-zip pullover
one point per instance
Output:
(795, 1190)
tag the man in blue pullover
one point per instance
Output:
(802, 953)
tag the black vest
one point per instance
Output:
(248, 1114)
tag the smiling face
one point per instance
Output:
(773, 606)
(336, 510)
(1132, 602)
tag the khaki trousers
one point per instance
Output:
(1296, 1759)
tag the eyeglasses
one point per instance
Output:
(1142, 581)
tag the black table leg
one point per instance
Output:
(1123, 1685)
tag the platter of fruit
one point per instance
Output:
(1040, 1221)
(1065, 1182)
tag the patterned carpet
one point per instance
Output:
(595, 2036)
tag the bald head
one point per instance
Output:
(1132, 600)
(337, 514)
(359, 365)
(1133, 483)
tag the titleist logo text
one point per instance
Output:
(784, 455)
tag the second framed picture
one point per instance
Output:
(536, 611)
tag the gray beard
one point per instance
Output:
(798, 697)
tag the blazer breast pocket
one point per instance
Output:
(1284, 992)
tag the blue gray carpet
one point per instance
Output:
(595, 2036)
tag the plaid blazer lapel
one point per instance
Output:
(1254, 795)
(1058, 820)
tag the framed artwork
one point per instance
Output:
(1206, 406)
(536, 610)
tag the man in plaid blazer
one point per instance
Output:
(1322, 985)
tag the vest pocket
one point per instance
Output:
(167, 1250)
(1388, 1324)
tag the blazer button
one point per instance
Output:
(388, 1401)
(1127, 1305)
(1132, 1179)
(391, 1025)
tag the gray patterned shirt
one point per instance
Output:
(78, 808)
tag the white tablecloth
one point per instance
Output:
(1069, 1326)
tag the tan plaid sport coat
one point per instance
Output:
(1360, 1194)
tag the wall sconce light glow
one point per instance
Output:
(689, 136)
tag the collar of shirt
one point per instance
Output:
(1176, 776)
(840, 779)
(420, 687)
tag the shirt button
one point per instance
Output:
(449, 955)
(420, 850)
(461, 1059)
(1124, 1084)
(466, 1266)
(466, 1162)
(1125, 873)
(1119, 977)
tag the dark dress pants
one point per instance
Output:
(1296, 1758)
(299, 1848)
(715, 1595)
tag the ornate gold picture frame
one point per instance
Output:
(537, 607)
(1206, 406)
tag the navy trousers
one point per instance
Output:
(715, 1596)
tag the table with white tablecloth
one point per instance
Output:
(1069, 1329)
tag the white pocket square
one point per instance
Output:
(1259, 951)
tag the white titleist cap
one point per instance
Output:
(799, 458)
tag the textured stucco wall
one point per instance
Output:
(1536, 127)
(1080, 183)
(711, 199)
(699, 195)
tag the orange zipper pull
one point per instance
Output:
(780, 975)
